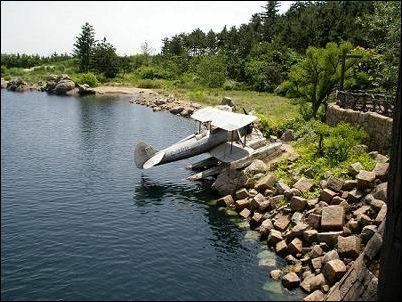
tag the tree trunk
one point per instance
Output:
(389, 283)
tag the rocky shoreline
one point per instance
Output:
(320, 238)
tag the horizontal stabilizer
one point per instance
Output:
(142, 153)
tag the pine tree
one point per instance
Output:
(269, 17)
(83, 47)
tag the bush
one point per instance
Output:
(151, 73)
(87, 78)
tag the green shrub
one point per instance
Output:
(87, 78)
(151, 73)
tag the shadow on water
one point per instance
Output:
(149, 192)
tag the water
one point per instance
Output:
(80, 221)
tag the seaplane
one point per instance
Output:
(227, 136)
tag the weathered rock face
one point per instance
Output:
(267, 182)
(365, 179)
(16, 84)
(349, 246)
(3, 83)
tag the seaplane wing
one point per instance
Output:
(228, 121)
(228, 152)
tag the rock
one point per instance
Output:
(355, 195)
(355, 168)
(295, 247)
(379, 158)
(257, 166)
(364, 220)
(296, 217)
(337, 200)
(276, 274)
(290, 280)
(225, 201)
(334, 270)
(85, 89)
(330, 238)
(274, 237)
(187, 111)
(381, 215)
(359, 149)
(314, 220)
(346, 231)
(281, 247)
(256, 220)
(252, 192)
(296, 268)
(298, 204)
(63, 86)
(292, 192)
(228, 101)
(315, 252)
(380, 191)
(333, 218)
(63, 77)
(331, 255)
(256, 201)
(3, 83)
(245, 213)
(176, 109)
(282, 222)
(311, 203)
(265, 227)
(229, 181)
(242, 204)
(304, 184)
(353, 225)
(316, 264)
(315, 296)
(367, 232)
(277, 201)
(310, 236)
(267, 182)
(290, 259)
(242, 194)
(297, 230)
(362, 210)
(377, 204)
(327, 195)
(281, 187)
(365, 179)
(381, 170)
(335, 184)
(288, 135)
(349, 247)
(344, 204)
(349, 184)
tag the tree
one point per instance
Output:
(125, 64)
(105, 59)
(269, 17)
(83, 47)
(317, 75)
(211, 71)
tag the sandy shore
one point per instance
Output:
(116, 90)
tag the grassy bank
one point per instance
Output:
(275, 108)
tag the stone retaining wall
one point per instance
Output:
(377, 126)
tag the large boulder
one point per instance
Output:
(228, 101)
(332, 218)
(256, 167)
(334, 270)
(291, 280)
(85, 89)
(267, 182)
(3, 83)
(63, 86)
(229, 181)
(288, 135)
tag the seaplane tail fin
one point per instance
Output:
(142, 153)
